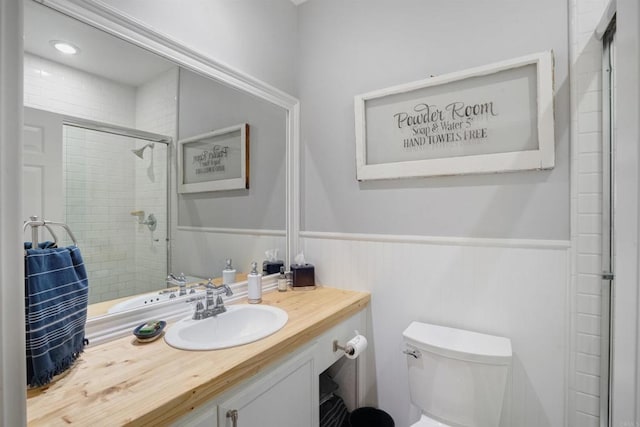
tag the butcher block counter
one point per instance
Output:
(124, 382)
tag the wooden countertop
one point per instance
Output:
(123, 382)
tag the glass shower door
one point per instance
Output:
(116, 202)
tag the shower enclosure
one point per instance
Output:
(117, 204)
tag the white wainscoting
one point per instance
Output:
(513, 288)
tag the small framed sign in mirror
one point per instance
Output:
(214, 161)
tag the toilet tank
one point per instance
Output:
(457, 377)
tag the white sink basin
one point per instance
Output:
(240, 324)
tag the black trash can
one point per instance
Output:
(370, 417)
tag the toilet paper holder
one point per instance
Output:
(353, 347)
(352, 350)
(346, 348)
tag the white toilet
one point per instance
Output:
(456, 377)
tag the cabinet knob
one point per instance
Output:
(233, 414)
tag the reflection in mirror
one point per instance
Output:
(116, 203)
(107, 193)
(235, 224)
(100, 180)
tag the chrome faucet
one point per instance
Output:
(214, 304)
(180, 281)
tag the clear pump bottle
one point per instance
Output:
(282, 281)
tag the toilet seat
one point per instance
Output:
(425, 421)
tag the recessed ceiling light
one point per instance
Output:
(65, 47)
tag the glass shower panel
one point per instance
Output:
(116, 204)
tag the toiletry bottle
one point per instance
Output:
(254, 285)
(228, 274)
(282, 281)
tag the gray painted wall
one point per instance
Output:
(352, 47)
(206, 105)
(257, 37)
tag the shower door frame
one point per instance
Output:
(608, 226)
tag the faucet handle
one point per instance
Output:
(199, 313)
(228, 291)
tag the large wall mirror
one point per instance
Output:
(101, 132)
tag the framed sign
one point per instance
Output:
(213, 161)
(494, 118)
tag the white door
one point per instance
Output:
(43, 191)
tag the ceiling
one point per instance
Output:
(100, 53)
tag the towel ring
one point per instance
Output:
(34, 222)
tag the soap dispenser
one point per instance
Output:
(228, 274)
(254, 284)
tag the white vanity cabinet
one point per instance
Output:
(285, 395)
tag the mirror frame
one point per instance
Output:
(114, 22)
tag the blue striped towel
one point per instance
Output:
(56, 294)
(41, 245)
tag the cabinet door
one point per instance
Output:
(286, 397)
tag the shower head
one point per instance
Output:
(138, 151)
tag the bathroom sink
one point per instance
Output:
(240, 324)
(147, 300)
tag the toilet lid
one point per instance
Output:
(425, 421)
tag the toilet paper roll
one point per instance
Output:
(355, 346)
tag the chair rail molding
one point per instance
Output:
(440, 240)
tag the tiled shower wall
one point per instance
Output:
(54, 87)
(586, 80)
(156, 111)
